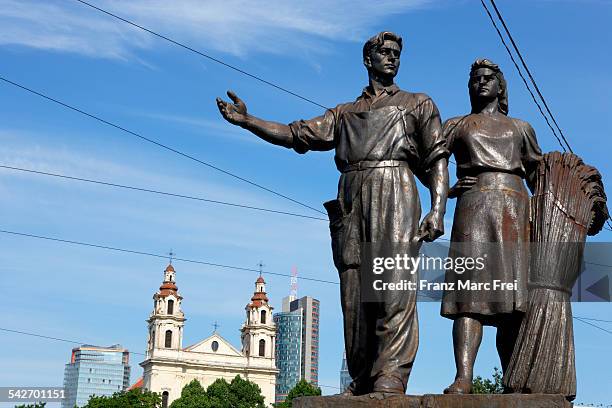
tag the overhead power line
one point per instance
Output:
(46, 337)
(532, 79)
(151, 254)
(165, 256)
(535, 85)
(200, 53)
(501, 37)
(147, 190)
(156, 143)
(75, 342)
(594, 320)
(43, 336)
(580, 319)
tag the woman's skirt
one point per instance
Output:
(491, 225)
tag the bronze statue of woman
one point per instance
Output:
(494, 153)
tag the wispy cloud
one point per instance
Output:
(210, 128)
(54, 26)
(236, 27)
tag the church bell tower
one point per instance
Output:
(259, 331)
(167, 319)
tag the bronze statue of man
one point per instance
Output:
(381, 141)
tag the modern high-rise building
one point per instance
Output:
(288, 352)
(95, 371)
(345, 377)
(297, 343)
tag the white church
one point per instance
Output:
(168, 367)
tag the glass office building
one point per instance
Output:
(95, 371)
(297, 344)
(288, 351)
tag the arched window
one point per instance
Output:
(168, 342)
(165, 399)
(170, 306)
(263, 317)
(262, 348)
(248, 317)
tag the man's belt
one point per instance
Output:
(371, 164)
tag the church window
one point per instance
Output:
(168, 343)
(263, 317)
(165, 399)
(170, 306)
(215, 345)
(262, 348)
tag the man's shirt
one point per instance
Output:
(393, 125)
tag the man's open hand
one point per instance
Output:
(235, 113)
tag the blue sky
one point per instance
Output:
(145, 84)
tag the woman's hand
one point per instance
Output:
(462, 185)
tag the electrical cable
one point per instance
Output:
(200, 53)
(130, 251)
(104, 183)
(592, 324)
(159, 144)
(535, 85)
(595, 320)
(501, 37)
(42, 336)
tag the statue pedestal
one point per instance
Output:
(378, 400)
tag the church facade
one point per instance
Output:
(168, 367)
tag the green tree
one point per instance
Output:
(302, 389)
(35, 405)
(193, 395)
(488, 386)
(240, 393)
(136, 398)
(219, 394)
(245, 394)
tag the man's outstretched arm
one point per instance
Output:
(236, 114)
